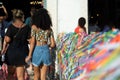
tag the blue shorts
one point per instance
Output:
(41, 55)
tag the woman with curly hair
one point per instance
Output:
(42, 39)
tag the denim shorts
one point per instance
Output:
(41, 55)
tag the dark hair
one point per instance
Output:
(82, 22)
(2, 13)
(42, 19)
(32, 10)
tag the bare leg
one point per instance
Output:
(36, 73)
(44, 72)
(20, 72)
(11, 71)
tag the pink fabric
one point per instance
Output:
(81, 34)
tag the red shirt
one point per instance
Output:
(78, 30)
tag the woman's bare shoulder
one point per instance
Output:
(34, 27)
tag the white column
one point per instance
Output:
(51, 6)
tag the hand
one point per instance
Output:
(2, 6)
(27, 59)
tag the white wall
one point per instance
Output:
(65, 13)
(69, 12)
(51, 6)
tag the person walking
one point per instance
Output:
(15, 46)
(42, 39)
(28, 20)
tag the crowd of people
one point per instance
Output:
(25, 41)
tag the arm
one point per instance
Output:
(32, 44)
(5, 11)
(5, 44)
(7, 39)
(52, 40)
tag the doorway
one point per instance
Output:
(104, 11)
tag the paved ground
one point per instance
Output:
(31, 77)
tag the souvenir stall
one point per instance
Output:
(97, 58)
